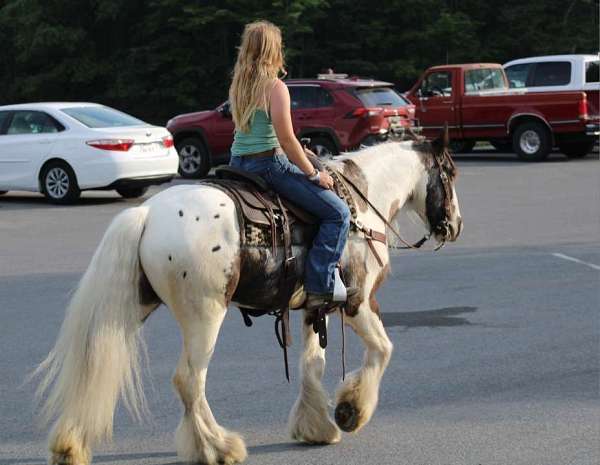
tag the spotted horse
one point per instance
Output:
(182, 248)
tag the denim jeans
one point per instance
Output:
(288, 180)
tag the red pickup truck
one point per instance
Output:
(475, 101)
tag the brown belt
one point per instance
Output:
(266, 153)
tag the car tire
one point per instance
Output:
(323, 147)
(194, 161)
(132, 192)
(502, 145)
(462, 145)
(576, 150)
(59, 183)
(532, 141)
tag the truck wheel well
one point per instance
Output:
(320, 133)
(518, 120)
(185, 134)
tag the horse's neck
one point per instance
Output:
(392, 172)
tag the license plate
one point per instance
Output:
(153, 147)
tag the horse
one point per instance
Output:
(182, 248)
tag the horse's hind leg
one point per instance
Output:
(357, 396)
(199, 438)
(309, 419)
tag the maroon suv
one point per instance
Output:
(336, 113)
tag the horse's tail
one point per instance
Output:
(95, 360)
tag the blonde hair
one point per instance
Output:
(259, 61)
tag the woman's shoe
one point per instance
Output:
(316, 301)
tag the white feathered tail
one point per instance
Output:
(96, 357)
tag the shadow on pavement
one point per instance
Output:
(428, 318)
(20, 202)
(261, 449)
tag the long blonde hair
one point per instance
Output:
(259, 61)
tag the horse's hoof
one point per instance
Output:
(346, 417)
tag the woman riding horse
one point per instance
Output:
(260, 106)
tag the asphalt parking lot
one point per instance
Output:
(496, 336)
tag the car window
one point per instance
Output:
(305, 97)
(33, 122)
(437, 84)
(102, 117)
(551, 73)
(517, 75)
(380, 97)
(592, 72)
(484, 79)
(324, 98)
(3, 119)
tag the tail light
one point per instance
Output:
(363, 112)
(168, 141)
(583, 108)
(115, 145)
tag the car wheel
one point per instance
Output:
(532, 141)
(132, 192)
(502, 145)
(193, 158)
(59, 183)
(576, 149)
(323, 147)
(461, 145)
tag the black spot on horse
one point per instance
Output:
(170, 258)
(184, 274)
(216, 247)
(180, 212)
(221, 204)
(197, 218)
(216, 216)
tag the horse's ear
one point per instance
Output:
(442, 142)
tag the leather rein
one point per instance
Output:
(371, 235)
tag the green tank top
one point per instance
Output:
(259, 138)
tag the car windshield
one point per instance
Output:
(380, 97)
(487, 79)
(102, 117)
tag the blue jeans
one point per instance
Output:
(288, 180)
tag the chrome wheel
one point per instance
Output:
(190, 159)
(57, 182)
(530, 142)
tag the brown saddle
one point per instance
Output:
(267, 220)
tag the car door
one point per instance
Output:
(436, 104)
(27, 139)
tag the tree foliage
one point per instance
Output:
(158, 58)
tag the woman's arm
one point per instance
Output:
(281, 116)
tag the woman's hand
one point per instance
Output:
(325, 180)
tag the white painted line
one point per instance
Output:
(576, 260)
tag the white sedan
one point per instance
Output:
(60, 149)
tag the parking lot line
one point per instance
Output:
(576, 260)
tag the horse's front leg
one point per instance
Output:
(199, 438)
(309, 419)
(357, 396)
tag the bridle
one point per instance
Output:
(442, 228)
